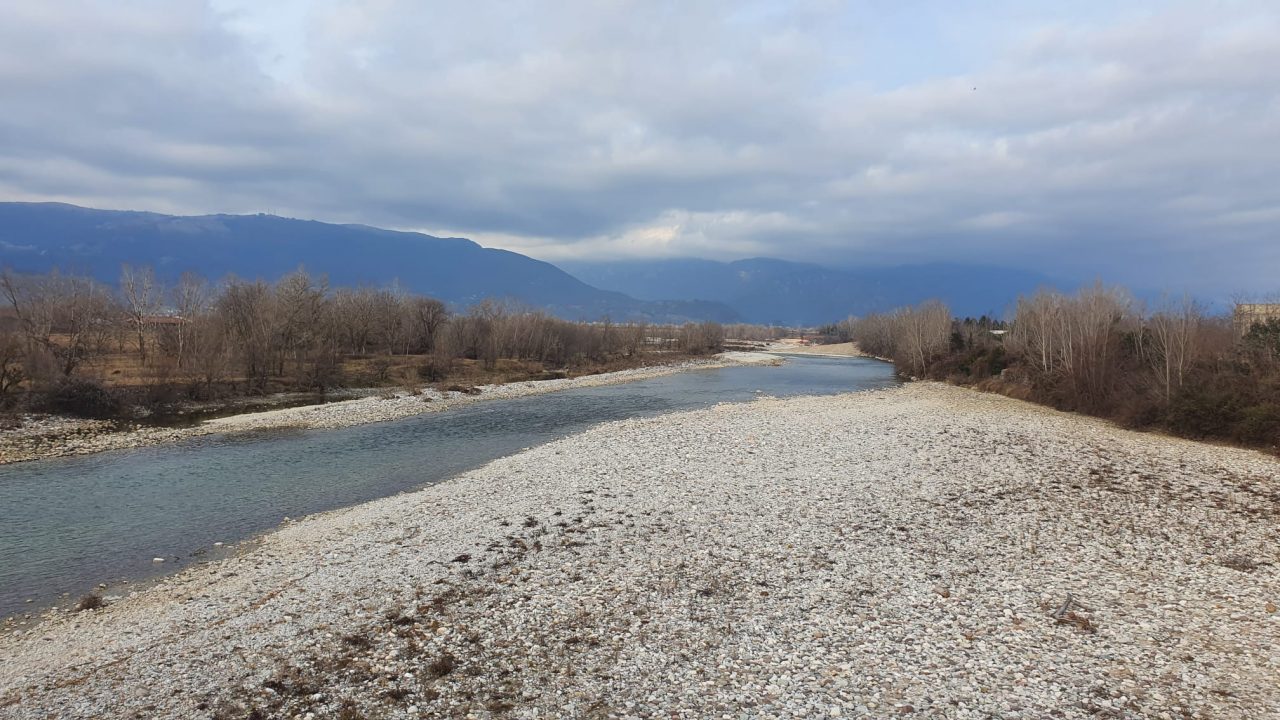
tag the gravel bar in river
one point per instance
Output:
(926, 551)
(57, 436)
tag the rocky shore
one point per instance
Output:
(58, 436)
(925, 551)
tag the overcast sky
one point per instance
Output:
(1139, 141)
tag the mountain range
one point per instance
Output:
(37, 237)
(780, 292)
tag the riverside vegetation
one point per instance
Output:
(71, 345)
(1173, 368)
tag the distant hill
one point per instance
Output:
(36, 237)
(765, 290)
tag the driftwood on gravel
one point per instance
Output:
(1066, 615)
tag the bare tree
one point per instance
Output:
(355, 311)
(702, 338)
(66, 317)
(1034, 330)
(190, 298)
(11, 371)
(142, 298)
(923, 333)
(1073, 342)
(874, 335)
(426, 316)
(1089, 330)
(247, 310)
(761, 333)
(299, 320)
(1173, 333)
(208, 348)
(482, 337)
(633, 337)
(388, 321)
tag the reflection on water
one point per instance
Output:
(69, 523)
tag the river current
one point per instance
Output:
(69, 523)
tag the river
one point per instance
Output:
(69, 523)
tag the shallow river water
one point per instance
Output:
(69, 523)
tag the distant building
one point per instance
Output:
(1247, 314)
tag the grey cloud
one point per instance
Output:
(1130, 147)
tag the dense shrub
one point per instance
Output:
(163, 394)
(435, 369)
(1203, 411)
(971, 364)
(82, 398)
(1263, 339)
(1174, 368)
(1258, 424)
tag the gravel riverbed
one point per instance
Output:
(46, 437)
(925, 550)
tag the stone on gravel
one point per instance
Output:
(655, 568)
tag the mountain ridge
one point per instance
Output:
(37, 237)
(769, 290)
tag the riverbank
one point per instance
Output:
(925, 550)
(793, 346)
(57, 437)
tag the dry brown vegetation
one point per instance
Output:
(92, 601)
(1173, 367)
(71, 345)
